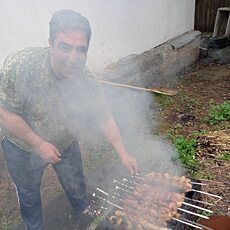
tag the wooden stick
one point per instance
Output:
(169, 92)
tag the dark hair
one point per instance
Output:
(66, 21)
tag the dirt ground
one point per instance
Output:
(204, 84)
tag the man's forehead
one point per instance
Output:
(71, 37)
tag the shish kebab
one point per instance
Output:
(117, 218)
(185, 203)
(196, 214)
(186, 198)
(166, 180)
(179, 183)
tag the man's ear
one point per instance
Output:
(50, 42)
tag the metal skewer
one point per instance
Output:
(198, 207)
(193, 213)
(125, 190)
(94, 195)
(107, 194)
(102, 191)
(200, 225)
(143, 178)
(187, 223)
(192, 182)
(137, 177)
(117, 187)
(133, 182)
(199, 201)
(115, 181)
(206, 193)
(198, 183)
(185, 203)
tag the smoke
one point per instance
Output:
(136, 118)
(132, 110)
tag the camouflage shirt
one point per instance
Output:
(53, 108)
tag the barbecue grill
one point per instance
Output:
(112, 201)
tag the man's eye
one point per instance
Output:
(82, 50)
(65, 48)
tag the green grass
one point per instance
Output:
(219, 113)
(5, 222)
(202, 175)
(164, 101)
(186, 149)
(225, 156)
(198, 133)
(97, 220)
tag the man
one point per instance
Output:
(45, 93)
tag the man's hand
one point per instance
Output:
(19, 128)
(112, 133)
(130, 163)
(48, 152)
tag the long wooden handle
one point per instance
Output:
(169, 92)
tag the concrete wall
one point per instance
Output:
(158, 66)
(120, 27)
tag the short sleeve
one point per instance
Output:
(98, 109)
(12, 85)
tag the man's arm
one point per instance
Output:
(19, 128)
(112, 133)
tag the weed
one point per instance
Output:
(165, 101)
(224, 156)
(177, 126)
(174, 131)
(6, 223)
(186, 149)
(98, 219)
(211, 102)
(193, 101)
(204, 213)
(202, 175)
(219, 113)
(198, 133)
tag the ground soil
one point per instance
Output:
(203, 84)
(206, 85)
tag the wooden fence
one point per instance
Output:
(205, 13)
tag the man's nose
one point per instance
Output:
(73, 55)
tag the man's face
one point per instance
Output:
(69, 54)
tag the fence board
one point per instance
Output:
(205, 13)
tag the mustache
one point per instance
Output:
(74, 65)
